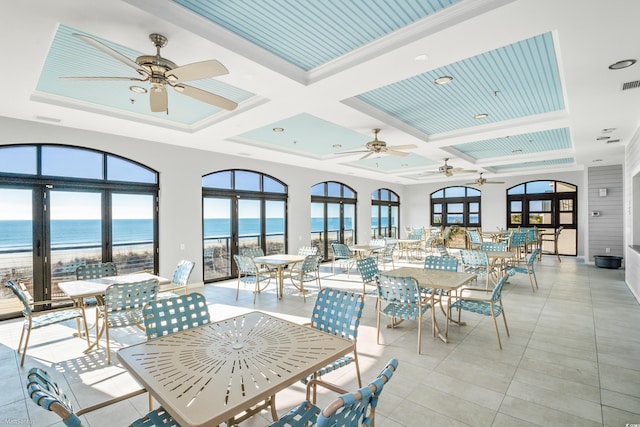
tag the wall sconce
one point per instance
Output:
(603, 192)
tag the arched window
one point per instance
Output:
(333, 215)
(241, 209)
(455, 206)
(64, 206)
(546, 205)
(385, 213)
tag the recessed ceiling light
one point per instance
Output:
(48, 119)
(503, 137)
(608, 130)
(481, 116)
(517, 150)
(443, 80)
(622, 64)
(404, 165)
(278, 129)
(597, 160)
(602, 138)
(137, 89)
(337, 145)
(421, 58)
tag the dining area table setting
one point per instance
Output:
(228, 370)
(441, 286)
(279, 262)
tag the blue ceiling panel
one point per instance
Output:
(535, 142)
(72, 57)
(308, 34)
(511, 82)
(554, 162)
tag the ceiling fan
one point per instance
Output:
(481, 181)
(161, 72)
(380, 147)
(448, 170)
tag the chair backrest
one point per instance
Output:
(245, 264)
(558, 231)
(368, 268)
(337, 312)
(310, 263)
(448, 263)
(496, 294)
(130, 296)
(493, 246)
(169, 315)
(518, 239)
(253, 252)
(17, 291)
(377, 242)
(95, 271)
(182, 273)
(397, 289)
(340, 250)
(442, 250)
(532, 257)
(474, 236)
(308, 250)
(474, 258)
(389, 248)
(357, 409)
(46, 393)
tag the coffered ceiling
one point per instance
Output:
(527, 87)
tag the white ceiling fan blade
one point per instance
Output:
(402, 147)
(462, 170)
(366, 155)
(158, 99)
(131, 79)
(396, 153)
(208, 97)
(494, 182)
(351, 152)
(197, 71)
(113, 53)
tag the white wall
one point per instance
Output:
(632, 215)
(181, 170)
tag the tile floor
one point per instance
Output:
(573, 358)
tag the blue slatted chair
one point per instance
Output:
(526, 269)
(252, 252)
(493, 246)
(338, 312)
(518, 243)
(442, 249)
(483, 301)
(474, 238)
(169, 315)
(40, 319)
(403, 302)
(432, 262)
(477, 262)
(123, 303)
(385, 256)
(307, 271)
(307, 250)
(368, 269)
(95, 271)
(179, 280)
(47, 394)
(348, 410)
(342, 255)
(249, 272)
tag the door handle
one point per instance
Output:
(38, 248)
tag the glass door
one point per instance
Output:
(249, 224)
(318, 236)
(16, 246)
(132, 232)
(275, 214)
(217, 246)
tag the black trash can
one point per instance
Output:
(608, 261)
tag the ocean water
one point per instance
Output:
(18, 234)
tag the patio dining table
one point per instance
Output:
(449, 281)
(208, 375)
(280, 261)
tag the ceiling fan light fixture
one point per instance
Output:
(337, 145)
(137, 89)
(622, 64)
(443, 80)
(481, 116)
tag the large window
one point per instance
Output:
(546, 205)
(64, 206)
(333, 215)
(385, 213)
(241, 209)
(455, 206)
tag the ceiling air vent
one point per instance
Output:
(631, 85)
(611, 141)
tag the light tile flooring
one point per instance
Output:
(573, 358)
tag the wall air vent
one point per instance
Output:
(611, 141)
(631, 85)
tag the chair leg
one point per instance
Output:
(357, 363)
(272, 403)
(106, 331)
(238, 289)
(504, 318)
(535, 278)
(26, 343)
(420, 332)
(496, 326)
